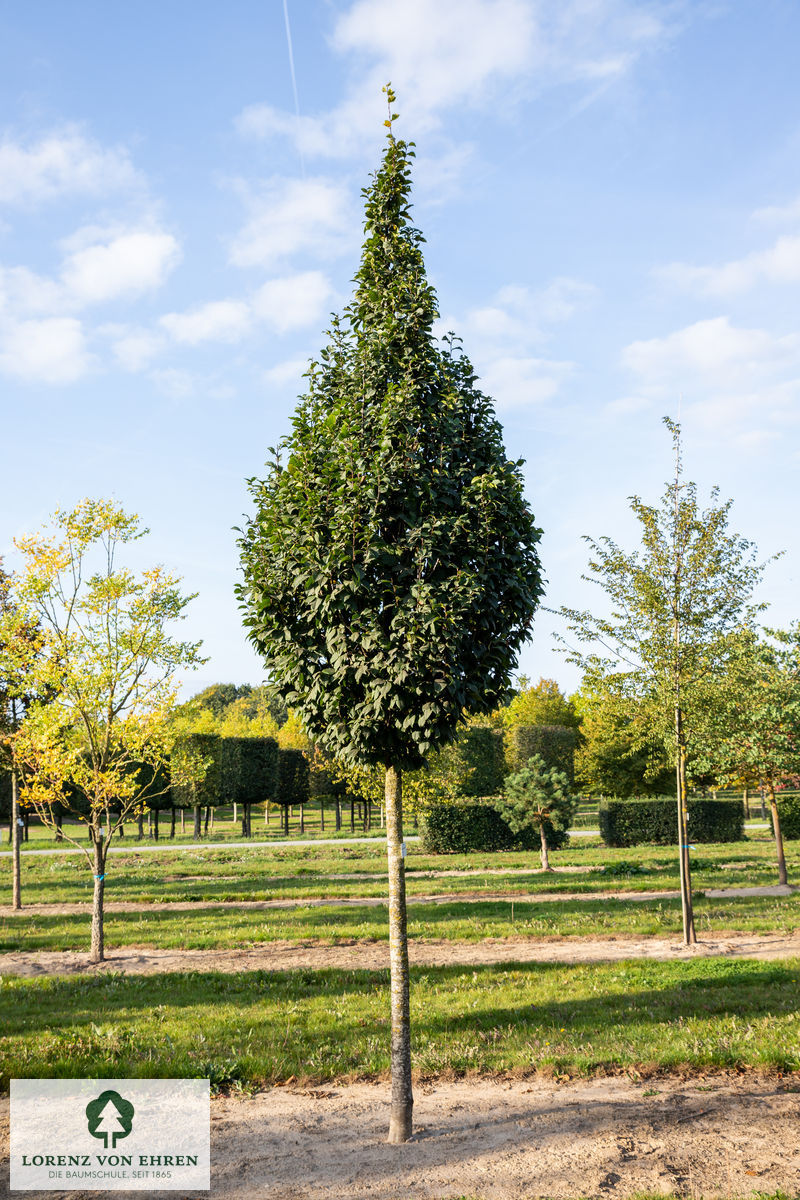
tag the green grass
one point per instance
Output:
(236, 872)
(459, 920)
(258, 1027)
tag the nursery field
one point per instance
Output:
(484, 1012)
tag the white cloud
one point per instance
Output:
(781, 214)
(713, 349)
(217, 321)
(174, 383)
(293, 302)
(290, 371)
(734, 381)
(293, 215)
(441, 53)
(47, 351)
(778, 264)
(518, 382)
(133, 348)
(517, 316)
(129, 264)
(62, 163)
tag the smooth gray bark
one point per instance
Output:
(402, 1097)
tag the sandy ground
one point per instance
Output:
(122, 906)
(502, 1140)
(369, 955)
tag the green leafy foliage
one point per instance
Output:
(654, 822)
(463, 828)
(789, 816)
(248, 769)
(292, 785)
(553, 744)
(196, 768)
(390, 570)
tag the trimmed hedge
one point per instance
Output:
(293, 781)
(555, 744)
(789, 813)
(187, 751)
(654, 822)
(478, 757)
(249, 769)
(463, 828)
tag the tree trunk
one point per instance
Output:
(97, 952)
(172, 821)
(338, 813)
(140, 824)
(244, 819)
(302, 819)
(402, 1098)
(687, 908)
(545, 859)
(286, 819)
(198, 828)
(761, 798)
(352, 815)
(322, 814)
(27, 824)
(235, 811)
(210, 822)
(746, 803)
(59, 829)
(155, 824)
(776, 823)
(16, 825)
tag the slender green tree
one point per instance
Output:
(673, 604)
(390, 569)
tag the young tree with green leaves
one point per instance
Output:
(390, 571)
(758, 716)
(536, 797)
(102, 668)
(673, 603)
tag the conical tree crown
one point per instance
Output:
(391, 570)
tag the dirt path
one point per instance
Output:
(503, 1140)
(130, 906)
(373, 956)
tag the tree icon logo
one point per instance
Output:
(109, 1117)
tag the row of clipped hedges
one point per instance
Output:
(555, 744)
(789, 813)
(655, 822)
(464, 828)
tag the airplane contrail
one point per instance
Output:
(294, 78)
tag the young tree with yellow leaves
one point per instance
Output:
(106, 662)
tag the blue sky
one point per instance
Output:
(610, 193)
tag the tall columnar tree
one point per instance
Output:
(390, 570)
(665, 640)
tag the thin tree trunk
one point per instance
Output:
(761, 798)
(97, 952)
(208, 814)
(776, 823)
(155, 824)
(27, 824)
(338, 813)
(687, 908)
(352, 815)
(322, 814)
(59, 829)
(746, 803)
(302, 819)
(235, 811)
(172, 821)
(211, 818)
(545, 859)
(286, 819)
(402, 1097)
(16, 888)
(140, 824)
(149, 822)
(198, 827)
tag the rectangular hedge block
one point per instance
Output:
(655, 822)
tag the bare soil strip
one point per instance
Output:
(122, 906)
(503, 1140)
(374, 956)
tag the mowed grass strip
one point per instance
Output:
(456, 921)
(235, 873)
(262, 1027)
